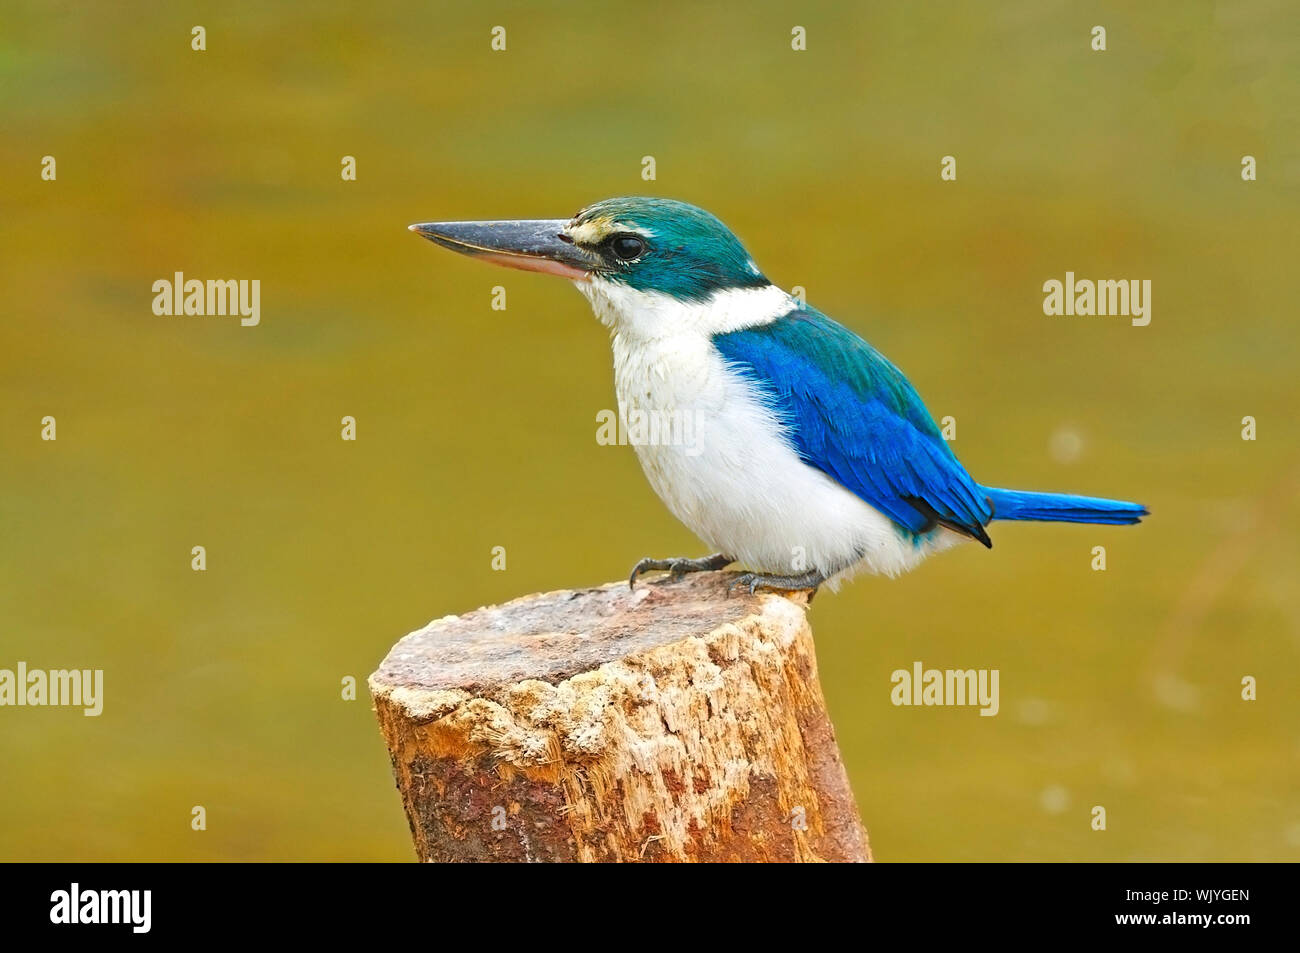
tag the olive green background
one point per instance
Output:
(477, 427)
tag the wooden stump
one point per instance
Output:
(669, 723)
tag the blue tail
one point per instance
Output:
(1061, 507)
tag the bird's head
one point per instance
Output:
(655, 246)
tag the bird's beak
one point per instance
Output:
(537, 245)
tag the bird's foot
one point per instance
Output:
(753, 580)
(680, 566)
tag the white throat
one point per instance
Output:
(653, 316)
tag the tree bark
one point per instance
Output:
(669, 723)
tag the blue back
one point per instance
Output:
(852, 414)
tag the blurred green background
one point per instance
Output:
(477, 427)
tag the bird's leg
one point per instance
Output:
(753, 580)
(680, 566)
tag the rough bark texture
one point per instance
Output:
(667, 724)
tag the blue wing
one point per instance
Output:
(854, 416)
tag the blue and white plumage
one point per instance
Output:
(812, 455)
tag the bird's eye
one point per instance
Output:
(626, 247)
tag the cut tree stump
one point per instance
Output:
(669, 723)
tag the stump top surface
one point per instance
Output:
(555, 635)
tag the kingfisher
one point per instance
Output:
(811, 456)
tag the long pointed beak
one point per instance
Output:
(537, 245)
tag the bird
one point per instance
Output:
(811, 457)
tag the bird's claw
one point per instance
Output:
(647, 565)
(753, 581)
(678, 566)
(746, 580)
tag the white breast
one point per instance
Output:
(726, 470)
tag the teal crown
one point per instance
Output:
(684, 251)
